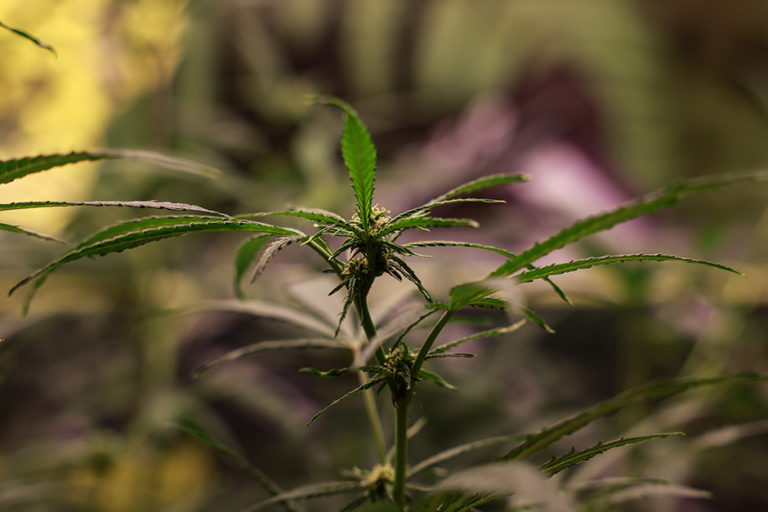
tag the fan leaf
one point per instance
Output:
(426, 222)
(269, 346)
(462, 449)
(493, 180)
(135, 233)
(18, 168)
(245, 255)
(650, 203)
(158, 205)
(359, 389)
(563, 268)
(16, 229)
(652, 390)
(572, 458)
(484, 334)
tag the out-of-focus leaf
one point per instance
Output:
(307, 492)
(469, 293)
(267, 483)
(30, 37)
(653, 390)
(269, 346)
(451, 453)
(274, 311)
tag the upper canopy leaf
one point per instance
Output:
(359, 156)
(650, 203)
(493, 180)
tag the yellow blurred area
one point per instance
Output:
(109, 53)
(140, 481)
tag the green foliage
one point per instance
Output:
(380, 356)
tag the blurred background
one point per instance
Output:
(599, 101)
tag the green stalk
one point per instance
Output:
(403, 405)
(370, 331)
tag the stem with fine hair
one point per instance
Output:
(403, 405)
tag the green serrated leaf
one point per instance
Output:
(490, 333)
(533, 317)
(572, 458)
(451, 453)
(426, 222)
(485, 182)
(157, 205)
(134, 233)
(650, 203)
(563, 268)
(245, 255)
(311, 491)
(30, 37)
(19, 167)
(271, 251)
(652, 390)
(267, 483)
(269, 346)
(359, 156)
(426, 207)
(16, 229)
(465, 294)
(314, 215)
(355, 391)
(436, 379)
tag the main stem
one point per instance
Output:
(370, 331)
(403, 405)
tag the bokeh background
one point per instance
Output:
(599, 100)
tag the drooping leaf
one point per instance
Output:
(271, 251)
(341, 371)
(158, 205)
(306, 492)
(359, 156)
(267, 483)
(269, 346)
(451, 453)
(533, 317)
(436, 379)
(650, 203)
(273, 311)
(17, 168)
(653, 390)
(409, 274)
(648, 490)
(245, 255)
(30, 37)
(494, 180)
(135, 233)
(426, 222)
(16, 229)
(359, 389)
(499, 331)
(573, 457)
(563, 268)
